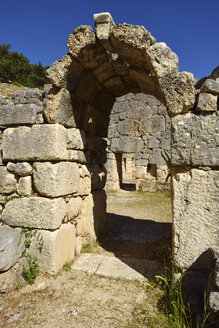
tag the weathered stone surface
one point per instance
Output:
(84, 187)
(34, 212)
(195, 140)
(195, 215)
(164, 61)
(82, 37)
(79, 156)
(7, 181)
(20, 169)
(54, 180)
(24, 187)
(19, 114)
(40, 142)
(74, 207)
(103, 25)
(127, 145)
(59, 108)
(206, 102)
(28, 96)
(65, 72)
(58, 248)
(11, 247)
(179, 92)
(76, 139)
(210, 86)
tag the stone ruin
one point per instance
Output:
(138, 144)
(54, 150)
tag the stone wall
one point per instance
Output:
(139, 131)
(47, 183)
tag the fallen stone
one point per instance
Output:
(7, 181)
(54, 180)
(34, 212)
(11, 247)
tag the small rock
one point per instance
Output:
(15, 317)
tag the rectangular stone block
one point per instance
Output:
(195, 140)
(34, 212)
(58, 247)
(210, 86)
(54, 180)
(39, 142)
(76, 139)
(195, 215)
(11, 114)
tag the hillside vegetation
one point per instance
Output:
(16, 68)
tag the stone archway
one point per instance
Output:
(60, 154)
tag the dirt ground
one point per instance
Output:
(74, 299)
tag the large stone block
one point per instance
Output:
(85, 225)
(195, 140)
(39, 142)
(195, 215)
(74, 207)
(11, 247)
(58, 248)
(54, 180)
(210, 86)
(35, 212)
(19, 114)
(7, 181)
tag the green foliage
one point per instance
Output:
(67, 266)
(30, 272)
(16, 68)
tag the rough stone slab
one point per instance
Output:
(103, 26)
(195, 215)
(54, 180)
(21, 169)
(195, 140)
(82, 37)
(11, 247)
(84, 187)
(85, 225)
(206, 102)
(7, 181)
(210, 86)
(28, 96)
(110, 266)
(163, 59)
(24, 187)
(58, 248)
(76, 139)
(19, 114)
(79, 156)
(39, 142)
(34, 212)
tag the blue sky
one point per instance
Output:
(39, 29)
